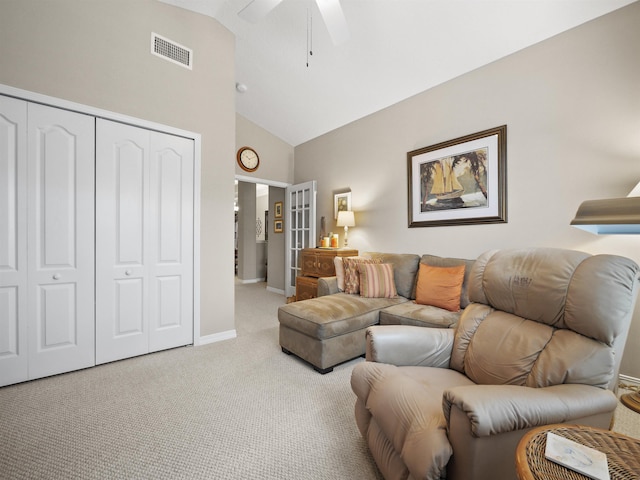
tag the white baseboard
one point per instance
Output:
(216, 337)
(628, 379)
(275, 290)
(252, 280)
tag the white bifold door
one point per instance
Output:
(144, 241)
(46, 241)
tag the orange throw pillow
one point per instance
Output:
(440, 286)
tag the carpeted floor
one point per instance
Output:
(238, 409)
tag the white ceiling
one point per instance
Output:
(398, 48)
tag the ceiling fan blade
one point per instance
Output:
(256, 10)
(334, 19)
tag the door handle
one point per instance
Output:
(56, 276)
(127, 272)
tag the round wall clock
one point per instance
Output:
(248, 159)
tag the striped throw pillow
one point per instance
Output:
(376, 281)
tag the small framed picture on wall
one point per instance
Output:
(341, 203)
(278, 226)
(277, 210)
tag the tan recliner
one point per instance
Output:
(541, 343)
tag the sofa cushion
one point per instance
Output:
(544, 309)
(440, 286)
(436, 261)
(376, 281)
(405, 269)
(352, 274)
(333, 315)
(410, 313)
(530, 283)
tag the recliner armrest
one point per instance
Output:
(493, 409)
(408, 345)
(327, 286)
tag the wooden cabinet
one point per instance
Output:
(316, 263)
(306, 287)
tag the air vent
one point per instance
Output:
(172, 51)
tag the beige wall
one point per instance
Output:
(276, 155)
(247, 245)
(276, 248)
(572, 109)
(97, 53)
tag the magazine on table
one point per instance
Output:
(580, 458)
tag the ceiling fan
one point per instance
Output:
(330, 10)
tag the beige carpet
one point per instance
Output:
(238, 409)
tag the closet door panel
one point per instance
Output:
(171, 246)
(13, 241)
(60, 240)
(129, 170)
(122, 255)
(129, 313)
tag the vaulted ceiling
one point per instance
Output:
(396, 49)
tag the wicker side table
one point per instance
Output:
(623, 453)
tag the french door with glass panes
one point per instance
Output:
(300, 227)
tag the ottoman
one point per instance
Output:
(329, 330)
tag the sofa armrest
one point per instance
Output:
(327, 286)
(409, 345)
(494, 409)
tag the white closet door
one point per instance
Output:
(122, 203)
(13, 241)
(60, 171)
(171, 241)
(144, 245)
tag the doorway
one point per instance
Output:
(259, 245)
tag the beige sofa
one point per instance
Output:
(330, 329)
(540, 343)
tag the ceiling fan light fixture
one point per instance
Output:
(256, 10)
(331, 12)
(335, 20)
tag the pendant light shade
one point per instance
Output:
(609, 216)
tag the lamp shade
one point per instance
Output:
(346, 219)
(610, 216)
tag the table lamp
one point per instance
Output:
(613, 216)
(346, 219)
